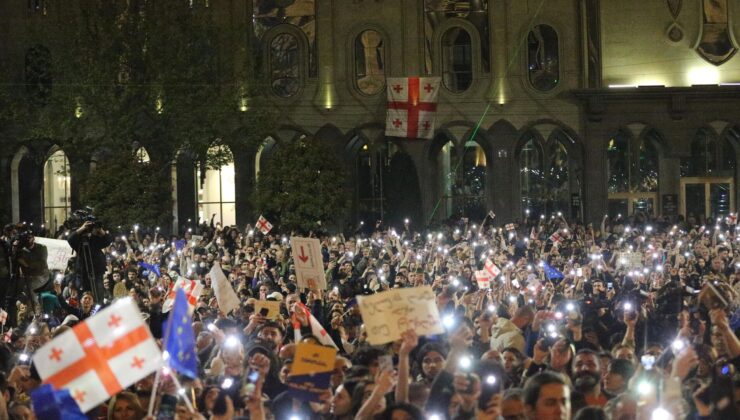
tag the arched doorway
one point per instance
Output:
(57, 186)
(708, 175)
(26, 187)
(463, 180)
(216, 192)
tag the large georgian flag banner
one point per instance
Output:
(100, 357)
(412, 107)
(192, 289)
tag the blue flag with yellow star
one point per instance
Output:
(179, 340)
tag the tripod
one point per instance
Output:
(87, 261)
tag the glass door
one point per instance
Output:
(704, 198)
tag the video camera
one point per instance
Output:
(79, 217)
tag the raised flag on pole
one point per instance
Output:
(100, 357)
(412, 106)
(263, 225)
(192, 289)
(225, 294)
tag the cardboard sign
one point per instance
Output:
(629, 260)
(268, 308)
(310, 373)
(59, 252)
(309, 263)
(386, 315)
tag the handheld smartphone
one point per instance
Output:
(648, 361)
(251, 383)
(579, 272)
(385, 362)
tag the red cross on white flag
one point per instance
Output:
(263, 225)
(192, 289)
(100, 357)
(412, 107)
(317, 330)
(491, 268)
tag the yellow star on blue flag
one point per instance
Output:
(179, 340)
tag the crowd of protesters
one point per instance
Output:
(631, 319)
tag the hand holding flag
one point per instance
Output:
(179, 339)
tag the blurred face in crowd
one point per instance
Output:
(341, 402)
(513, 409)
(432, 364)
(124, 410)
(511, 361)
(271, 335)
(586, 372)
(553, 403)
(614, 383)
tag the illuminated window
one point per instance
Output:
(285, 65)
(544, 174)
(369, 62)
(633, 174)
(142, 156)
(57, 181)
(217, 191)
(464, 179)
(543, 58)
(457, 60)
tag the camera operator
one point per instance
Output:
(31, 259)
(87, 242)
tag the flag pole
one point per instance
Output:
(152, 397)
(165, 356)
(184, 395)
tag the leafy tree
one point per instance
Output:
(140, 192)
(303, 187)
(161, 74)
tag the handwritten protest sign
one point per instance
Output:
(268, 308)
(309, 263)
(59, 252)
(386, 315)
(310, 373)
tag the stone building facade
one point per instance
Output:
(584, 107)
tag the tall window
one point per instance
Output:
(633, 174)
(544, 174)
(142, 156)
(369, 62)
(709, 157)
(543, 62)
(463, 173)
(285, 65)
(57, 180)
(217, 192)
(38, 74)
(457, 60)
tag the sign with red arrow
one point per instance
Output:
(309, 262)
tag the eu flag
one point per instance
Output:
(55, 405)
(552, 273)
(151, 268)
(179, 340)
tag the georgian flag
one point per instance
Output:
(491, 268)
(101, 356)
(263, 225)
(192, 289)
(483, 278)
(556, 238)
(412, 107)
(317, 330)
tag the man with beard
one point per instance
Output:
(587, 378)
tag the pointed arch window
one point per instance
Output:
(463, 171)
(285, 65)
(216, 192)
(544, 174)
(710, 157)
(142, 156)
(457, 60)
(633, 174)
(57, 183)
